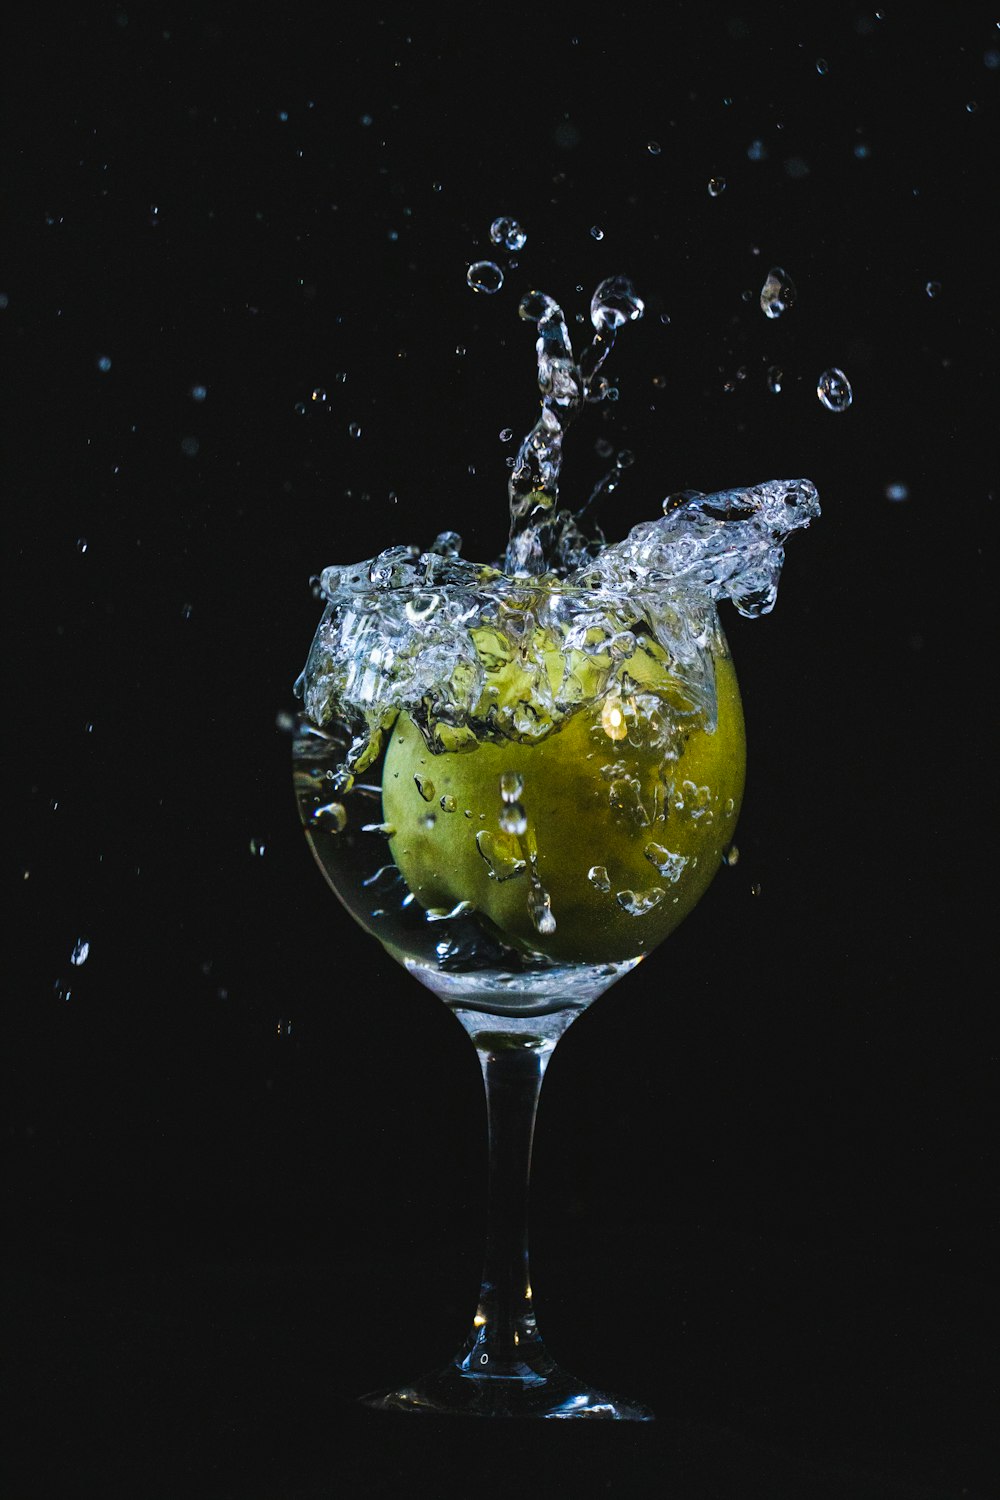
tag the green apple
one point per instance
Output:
(589, 844)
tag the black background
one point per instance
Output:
(246, 1153)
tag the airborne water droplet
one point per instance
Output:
(508, 233)
(777, 294)
(81, 952)
(484, 276)
(716, 186)
(774, 379)
(834, 390)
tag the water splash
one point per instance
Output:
(565, 384)
(443, 639)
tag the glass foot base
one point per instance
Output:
(450, 1392)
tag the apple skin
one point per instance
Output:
(656, 824)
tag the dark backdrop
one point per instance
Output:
(246, 1152)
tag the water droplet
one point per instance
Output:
(484, 276)
(731, 855)
(597, 231)
(716, 186)
(103, 364)
(501, 855)
(669, 865)
(862, 150)
(190, 447)
(834, 390)
(774, 379)
(614, 303)
(540, 908)
(513, 819)
(757, 151)
(354, 429)
(448, 804)
(755, 889)
(971, 107)
(897, 491)
(638, 903)
(511, 786)
(257, 848)
(199, 392)
(442, 914)
(506, 433)
(82, 544)
(508, 232)
(653, 147)
(932, 288)
(822, 66)
(81, 952)
(425, 787)
(318, 394)
(777, 294)
(332, 817)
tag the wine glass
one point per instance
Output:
(519, 787)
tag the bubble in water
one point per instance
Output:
(598, 877)
(425, 787)
(777, 294)
(653, 147)
(448, 804)
(511, 786)
(513, 818)
(932, 288)
(775, 375)
(484, 276)
(81, 952)
(508, 233)
(731, 855)
(716, 186)
(834, 390)
(597, 231)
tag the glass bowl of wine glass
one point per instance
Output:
(519, 786)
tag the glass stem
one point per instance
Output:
(504, 1340)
